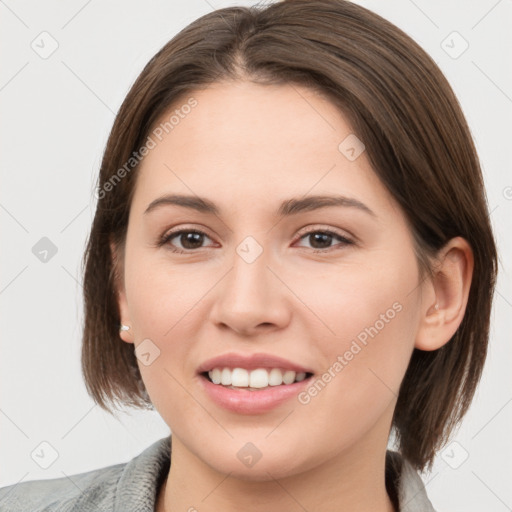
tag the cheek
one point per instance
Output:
(364, 368)
(372, 317)
(165, 308)
(162, 295)
(351, 297)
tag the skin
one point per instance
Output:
(248, 147)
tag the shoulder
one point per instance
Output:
(125, 487)
(93, 490)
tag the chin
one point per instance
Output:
(256, 473)
(266, 468)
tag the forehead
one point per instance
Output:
(245, 142)
(244, 115)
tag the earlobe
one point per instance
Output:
(125, 331)
(449, 291)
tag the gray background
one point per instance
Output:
(56, 115)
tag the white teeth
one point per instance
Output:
(226, 377)
(215, 375)
(275, 377)
(239, 378)
(259, 378)
(289, 377)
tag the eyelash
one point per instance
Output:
(166, 238)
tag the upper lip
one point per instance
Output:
(250, 362)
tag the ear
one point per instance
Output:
(449, 288)
(119, 289)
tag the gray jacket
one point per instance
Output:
(132, 487)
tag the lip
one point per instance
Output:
(251, 362)
(243, 401)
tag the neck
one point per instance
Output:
(352, 482)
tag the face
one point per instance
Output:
(329, 291)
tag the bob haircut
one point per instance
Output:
(398, 103)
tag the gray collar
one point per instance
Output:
(405, 485)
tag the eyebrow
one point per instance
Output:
(288, 207)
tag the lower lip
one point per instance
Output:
(244, 401)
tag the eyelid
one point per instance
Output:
(345, 239)
(171, 233)
(312, 228)
(302, 231)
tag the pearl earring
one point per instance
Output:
(124, 327)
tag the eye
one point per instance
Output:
(191, 239)
(322, 239)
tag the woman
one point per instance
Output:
(291, 259)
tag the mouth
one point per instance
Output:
(254, 380)
(252, 384)
(255, 391)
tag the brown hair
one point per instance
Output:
(403, 109)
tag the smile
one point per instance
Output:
(252, 383)
(260, 378)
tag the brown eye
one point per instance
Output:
(188, 238)
(321, 239)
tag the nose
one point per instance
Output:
(251, 298)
